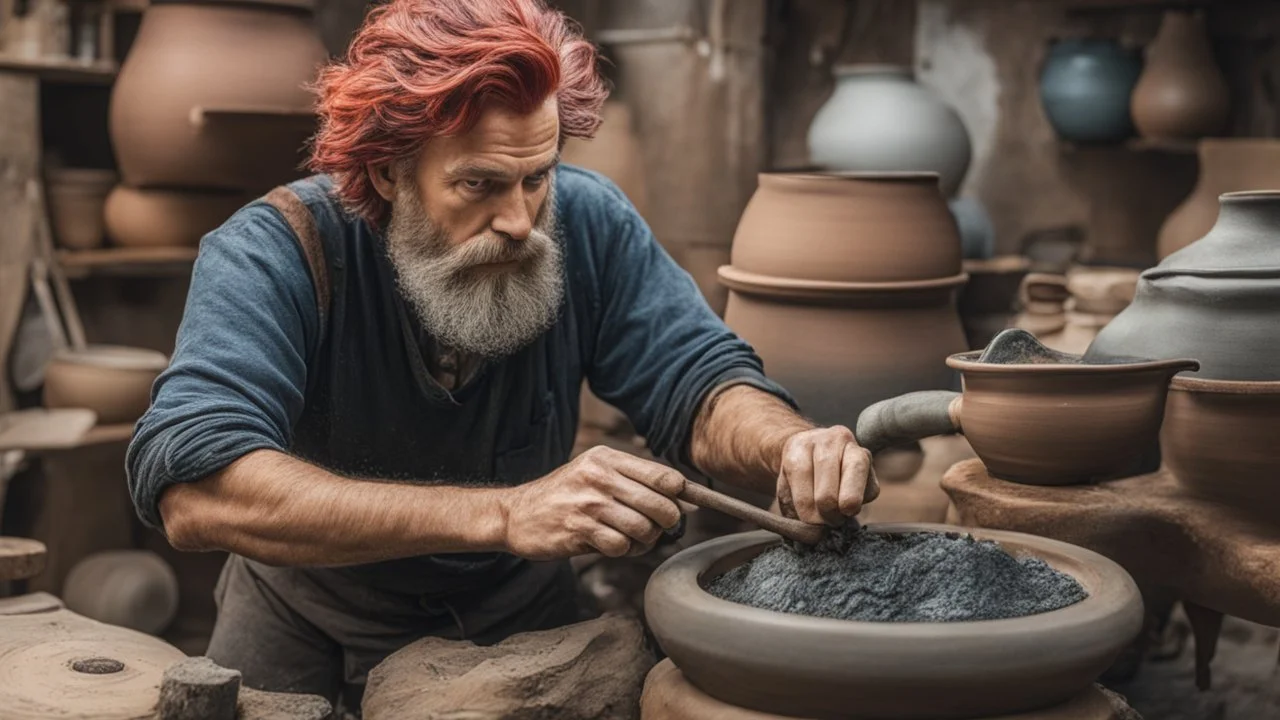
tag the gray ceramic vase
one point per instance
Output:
(879, 119)
(1085, 87)
(1216, 300)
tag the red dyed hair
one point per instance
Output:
(419, 69)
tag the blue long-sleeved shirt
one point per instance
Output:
(253, 368)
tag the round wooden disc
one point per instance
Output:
(20, 558)
(59, 664)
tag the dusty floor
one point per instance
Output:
(1246, 680)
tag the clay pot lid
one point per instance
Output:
(736, 279)
(1225, 387)
(115, 357)
(1240, 259)
(872, 69)
(967, 362)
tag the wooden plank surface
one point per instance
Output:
(127, 261)
(57, 70)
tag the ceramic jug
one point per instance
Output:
(1216, 300)
(212, 95)
(1226, 165)
(1181, 94)
(1085, 87)
(880, 120)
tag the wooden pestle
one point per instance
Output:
(796, 530)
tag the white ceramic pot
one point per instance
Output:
(114, 382)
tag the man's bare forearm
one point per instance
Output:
(279, 510)
(739, 434)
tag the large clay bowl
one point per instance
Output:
(1062, 423)
(1220, 439)
(212, 95)
(848, 227)
(167, 218)
(114, 382)
(840, 347)
(824, 668)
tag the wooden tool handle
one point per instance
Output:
(801, 532)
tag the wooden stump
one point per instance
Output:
(20, 558)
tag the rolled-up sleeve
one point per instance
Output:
(238, 375)
(659, 348)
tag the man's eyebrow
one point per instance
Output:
(484, 171)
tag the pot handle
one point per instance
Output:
(274, 116)
(908, 417)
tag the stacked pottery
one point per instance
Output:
(1226, 165)
(1085, 87)
(76, 199)
(209, 110)
(988, 301)
(879, 119)
(1217, 300)
(1181, 94)
(1097, 295)
(845, 285)
(1042, 299)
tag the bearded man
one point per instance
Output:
(374, 392)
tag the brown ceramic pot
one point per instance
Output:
(114, 382)
(1220, 439)
(848, 227)
(1226, 165)
(130, 588)
(76, 199)
(1181, 94)
(838, 347)
(166, 218)
(821, 667)
(211, 96)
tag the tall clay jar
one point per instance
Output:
(1226, 165)
(1181, 94)
(212, 95)
(879, 119)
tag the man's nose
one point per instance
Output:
(514, 219)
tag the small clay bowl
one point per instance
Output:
(1220, 439)
(1062, 423)
(848, 228)
(813, 667)
(114, 382)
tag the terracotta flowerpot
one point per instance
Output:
(838, 347)
(822, 668)
(1226, 165)
(1085, 86)
(211, 96)
(167, 218)
(114, 382)
(1220, 438)
(614, 152)
(1216, 300)
(879, 119)
(1181, 94)
(848, 227)
(76, 199)
(130, 588)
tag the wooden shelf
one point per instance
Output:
(159, 261)
(61, 71)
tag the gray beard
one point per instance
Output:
(486, 313)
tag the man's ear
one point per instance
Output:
(383, 178)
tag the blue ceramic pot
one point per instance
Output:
(1085, 87)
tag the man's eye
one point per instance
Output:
(475, 186)
(536, 179)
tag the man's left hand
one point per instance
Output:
(826, 476)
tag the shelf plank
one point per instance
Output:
(61, 70)
(161, 261)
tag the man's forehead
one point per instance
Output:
(504, 140)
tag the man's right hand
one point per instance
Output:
(604, 501)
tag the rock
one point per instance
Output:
(199, 689)
(260, 705)
(585, 671)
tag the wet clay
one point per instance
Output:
(913, 577)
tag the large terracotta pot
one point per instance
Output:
(76, 199)
(167, 218)
(1085, 86)
(840, 347)
(114, 382)
(847, 227)
(1220, 438)
(1216, 300)
(880, 120)
(211, 96)
(1226, 165)
(1181, 94)
(822, 668)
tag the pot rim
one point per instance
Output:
(997, 265)
(749, 282)
(818, 174)
(1225, 387)
(1111, 579)
(116, 357)
(1249, 196)
(967, 362)
(868, 68)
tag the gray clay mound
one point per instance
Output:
(909, 577)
